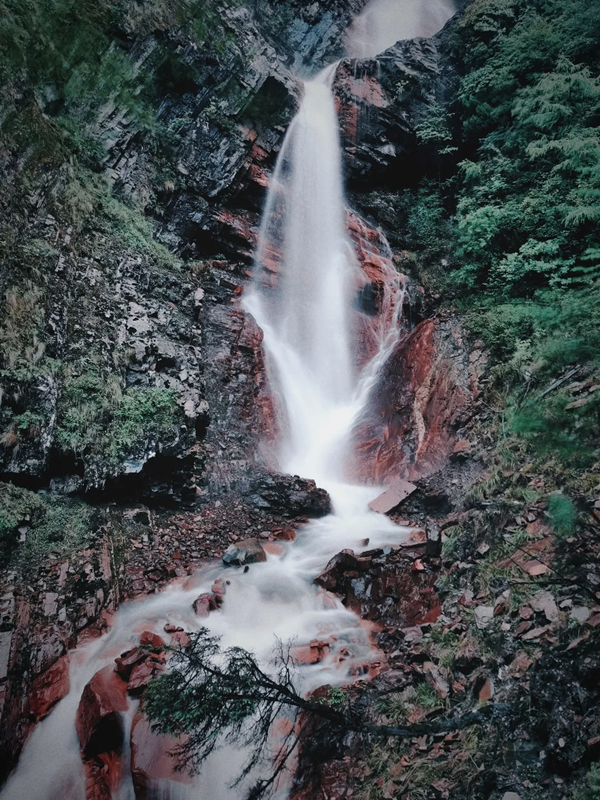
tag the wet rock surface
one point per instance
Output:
(289, 495)
(98, 723)
(249, 551)
(423, 400)
(49, 688)
(391, 586)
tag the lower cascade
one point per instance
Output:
(303, 298)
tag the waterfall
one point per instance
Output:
(305, 280)
(385, 22)
(303, 297)
(305, 317)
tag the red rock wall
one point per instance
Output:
(421, 401)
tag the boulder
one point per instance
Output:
(249, 551)
(288, 495)
(331, 576)
(143, 673)
(128, 661)
(179, 638)
(397, 491)
(149, 639)
(98, 721)
(380, 586)
(103, 775)
(312, 653)
(204, 604)
(218, 590)
(48, 688)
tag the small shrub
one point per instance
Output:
(571, 434)
(86, 406)
(591, 791)
(64, 526)
(427, 697)
(20, 331)
(50, 524)
(142, 414)
(563, 514)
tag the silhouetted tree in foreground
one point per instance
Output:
(212, 697)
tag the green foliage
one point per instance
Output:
(537, 308)
(563, 514)
(16, 506)
(210, 695)
(426, 697)
(591, 791)
(554, 429)
(528, 205)
(86, 195)
(64, 526)
(95, 416)
(74, 59)
(142, 414)
(49, 524)
(531, 96)
(426, 224)
(28, 421)
(86, 406)
(20, 337)
(335, 698)
(416, 221)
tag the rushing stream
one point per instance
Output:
(303, 299)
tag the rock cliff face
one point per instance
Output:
(423, 398)
(129, 372)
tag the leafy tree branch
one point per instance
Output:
(212, 697)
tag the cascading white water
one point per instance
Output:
(305, 279)
(305, 318)
(307, 322)
(303, 300)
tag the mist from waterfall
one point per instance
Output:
(385, 22)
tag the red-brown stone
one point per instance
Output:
(143, 673)
(312, 653)
(218, 590)
(422, 397)
(180, 639)
(128, 660)
(48, 688)
(204, 604)
(102, 776)
(397, 491)
(98, 721)
(149, 639)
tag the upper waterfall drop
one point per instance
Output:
(302, 294)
